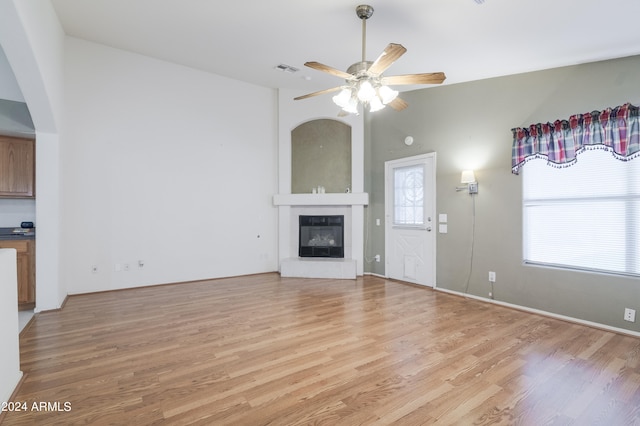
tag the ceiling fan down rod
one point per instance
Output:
(364, 38)
(364, 12)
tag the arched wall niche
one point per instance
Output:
(321, 156)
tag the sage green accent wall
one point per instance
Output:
(469, 127)
(321, 155)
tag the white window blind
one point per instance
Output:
(586, 216)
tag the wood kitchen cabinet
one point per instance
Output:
(17, 167)
(26, 271)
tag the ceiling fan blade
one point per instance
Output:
(321, 92)
(398, 104)
(426, 78)
(390, 54)
(326, 68)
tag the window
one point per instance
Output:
(586, 216)
(408, 193)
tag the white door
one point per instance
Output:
(410, 197)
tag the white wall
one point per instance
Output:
(50, 291)
(32, 39)
(13, 211)
(8, 85)
(164, 164)
(9, 355)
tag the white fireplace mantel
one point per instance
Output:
(333, 199)
(290, 206)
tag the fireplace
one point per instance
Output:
(349, 206)
(321, 236)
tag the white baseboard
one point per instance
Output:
(543, 313)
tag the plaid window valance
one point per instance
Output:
(614, 129)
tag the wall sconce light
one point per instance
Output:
(469, 178)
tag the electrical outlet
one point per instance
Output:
(629, 315)
(492, 277)
(377, 258)
(140, 263)
(94, 269)
(126, 266)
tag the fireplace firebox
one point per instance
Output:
(321, 236)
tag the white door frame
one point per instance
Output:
(429, 229)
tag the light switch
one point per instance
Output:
(442, 218)
(442, 228)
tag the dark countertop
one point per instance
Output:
(17, 233)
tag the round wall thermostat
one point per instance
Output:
(408, 140)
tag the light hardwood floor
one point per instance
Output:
(269, 350)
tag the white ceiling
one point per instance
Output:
(246, 40)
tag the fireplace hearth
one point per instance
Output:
(321, 236)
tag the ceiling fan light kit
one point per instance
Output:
(364, 83)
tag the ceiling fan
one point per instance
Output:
(364, 82)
